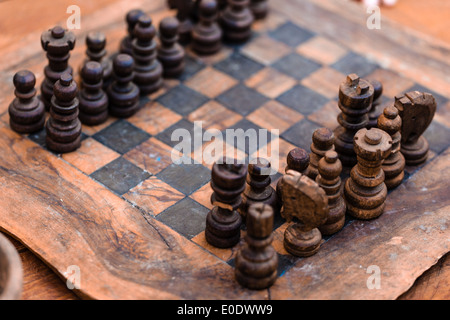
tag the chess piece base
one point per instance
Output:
(302, 244)
(223, 230)
(417, 153)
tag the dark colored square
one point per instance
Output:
(440, 100)
(242, 99)
(438, 137)
(120, 175)
(186, 178)
(121, 136)
(239, 66)
(303, 100)
(296, 66)
(187, 217)
(186, 133)
(248, 137)
(301, 133)
(354, 63)
(191, 67)
(291, 34)
(182, 100)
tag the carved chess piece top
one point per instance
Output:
(322, 141)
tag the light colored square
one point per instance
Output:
(322, 50)
(211, 82)
(266, 50)
(215, 116)
(271, 82)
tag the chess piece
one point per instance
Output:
(96, 43)
(123, 94)
(322, 141)
(185, 9)
(206, 34)
(63, 128)
(297, 160)
(236, 21)
(330, 168)
(365, 191)
(375, 111)
(131, 19)
(355, 101)
(147, 69)
(258, 188)
(170, 52)
(257, 261)
(26, 111)
(305, 201)
(223, 222)
(260, 8)
(57, 42)
(416, 110)
(394, 165)
(93, 100)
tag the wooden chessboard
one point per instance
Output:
(133, 221)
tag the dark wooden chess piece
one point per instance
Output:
(257, 261)
(375, 111)
(260, 8)
(297, 160)
(307, 203)
(93, 100)
(394, 165)
(355, 101)
(330, 168)
(57, 42)
(26, 111)
(123, 94)
(223, 222)
(365, 191)
(147, 69)
(417, 110)
(131, 19)
(185, 10)
(258, 188)
(206, 34)
(236, 21)
(63, 128)
(322, 141)
(170, 52)
(96, 43)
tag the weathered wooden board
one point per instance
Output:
(69, 220)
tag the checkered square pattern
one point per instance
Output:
(286, 78)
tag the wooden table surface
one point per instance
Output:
(40, 282)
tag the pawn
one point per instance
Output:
(258, 189)
(207, 35)
(307, 203)
(96, 42)
(131, 18)
(260, 8)
(322, 141)
(93, 100)
(63, 128)
(147, 70)
(223, 222)
(297, 160)
(394, 165)
(374, 112)
(185, 10)
(257, 261)
(330, 168)
(365, 191)
(170, 53)
(26, 111)
(236, 21)
(123, 94)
